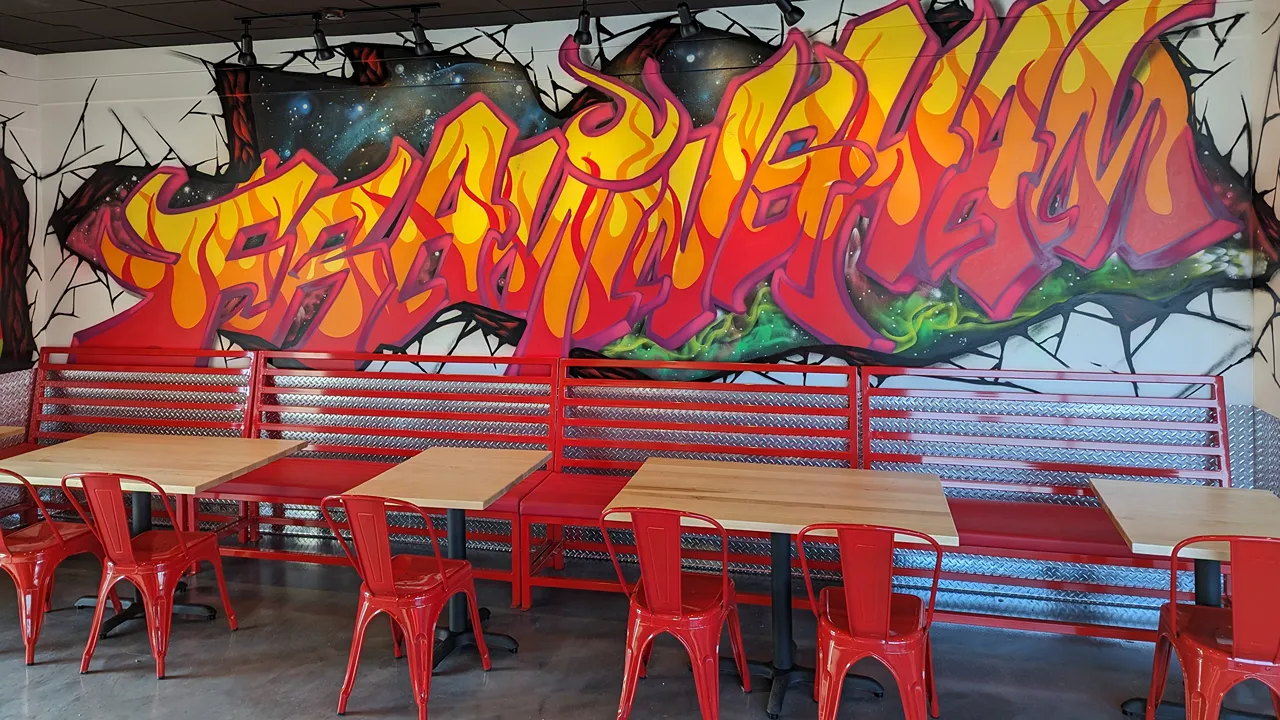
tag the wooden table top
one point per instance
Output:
(786, 498)
(9, 432)
(459, 478)
(1153, 517)
(180, 464)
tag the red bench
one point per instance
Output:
(138, 390)
(360, 422)
(611, 416)
(1016, 450)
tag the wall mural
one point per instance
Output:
(925, 183)
(16, 341)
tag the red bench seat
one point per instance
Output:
(18, 449)
(572, 496)
(1037, 527)
(306, 480)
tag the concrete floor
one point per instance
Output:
(287, 661)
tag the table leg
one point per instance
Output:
(134, 609)
(459, 633)
(1208, 575)
(782, 672)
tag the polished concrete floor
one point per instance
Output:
(287, 661)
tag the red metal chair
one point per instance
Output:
(693, 607)
(153, 561)
(411, 589)
(31, 553)
(1220, 647)
(866, 618)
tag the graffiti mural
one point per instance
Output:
(16, 342)
(924, 183)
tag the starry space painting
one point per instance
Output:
(871, 190)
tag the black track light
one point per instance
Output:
(583, 36)
(790, 13)
(246, 56)
(323, 51)
(689, 26)
(421, 45)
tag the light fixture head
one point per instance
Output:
(323, 51)
(583, 35)
(790, 13)
(689, 26)
(246, 56)
(421, 45)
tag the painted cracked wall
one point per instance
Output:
(1049, 184)
(19, 146)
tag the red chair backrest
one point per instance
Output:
(35, 497)
(866, 562)
(658, 535)
(366, 519)
(106, 515)
(1255, 586)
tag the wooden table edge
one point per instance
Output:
(1146, 549)
(466, 506)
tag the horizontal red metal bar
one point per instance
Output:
(708, 448)
(707, 366)
(146, 421)
(698, 386)
(765, 430)
(151, 369)
(89, 351)
(871, 371)
(237, 551)
(745, 408)
(143, 386)
(271, 390)
(401, 433)
(143, 403)
(1044, 443)
(1041, 397)
(873, 414)
(404, 358)
(408, 376)
(1083, 468)
(403, 414)
(1047, 626)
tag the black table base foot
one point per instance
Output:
(1170, 710)
(780, 681)
(459, 641)
(134, 610)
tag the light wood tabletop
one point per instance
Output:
(458, 478)
(1153, 517)
(786, 498)
(179, 464)
(9, 432)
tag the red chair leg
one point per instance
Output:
(105, 589)
(639, 641)
(474, 606)
(830, 678)
(157, 600)
(363, 616)
(930, 685)
(739, 651)
(215, 558)
(33, 582)
(908, 670)
(242, 513)
(1159, 674)
(397, 638)
(703, 644)
(420, 623)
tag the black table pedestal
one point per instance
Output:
(134, 609)
(782, 673)
(460, 634)
(1208, 592)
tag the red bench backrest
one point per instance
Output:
(139, 390)
(1043, 431)
(612, 416)
(402, 404)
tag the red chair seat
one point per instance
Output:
(12, 450)
(510, 502)
(577, 497)
(906, 612)
(421, 573)
(1210, 628)
(39, 536)
(155, 546)
(1037, 527)
(302, 479)
(699, 593)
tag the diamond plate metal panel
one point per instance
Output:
(428, 383)
(710, 397)
(392, 405)
(1094, 433)
(1266, 451)
(1014, 406)
(15, 397)
(1051, 454)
